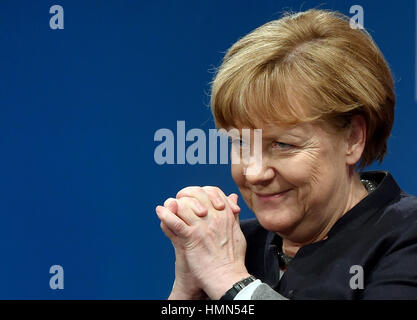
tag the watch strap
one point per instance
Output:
(237, 287)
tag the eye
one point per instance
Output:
(281, 145)
(238, 143)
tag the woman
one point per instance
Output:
(323, 95)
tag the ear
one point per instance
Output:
(356, 139)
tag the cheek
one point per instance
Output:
(301, 170)
(306, 173)
(314, 173)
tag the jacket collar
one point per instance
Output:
(387, 190)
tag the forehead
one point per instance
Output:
(270, 130)
(298, 130)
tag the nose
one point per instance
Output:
(259, 172)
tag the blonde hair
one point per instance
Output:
(308, 66)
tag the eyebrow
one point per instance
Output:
(292, 132)
(284, 133)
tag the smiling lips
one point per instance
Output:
(271, 196)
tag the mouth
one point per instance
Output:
(271, 196)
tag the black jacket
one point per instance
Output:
(379, 234)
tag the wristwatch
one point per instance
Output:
(237, 287)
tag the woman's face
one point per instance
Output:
(302, 185)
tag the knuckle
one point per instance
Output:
(212, 190)
(187, 191)
(209, 187)
(198, 204)
(167, 201)
(184, 202)
(213, 193)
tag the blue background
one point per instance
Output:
(78, 111)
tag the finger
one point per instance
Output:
(190, 210)
(232, 198)
(174, 223)
(198, 209)
(171, 204)
(216, 197)
(197, 193)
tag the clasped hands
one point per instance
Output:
(203, 226)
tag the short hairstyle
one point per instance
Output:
(307, 66)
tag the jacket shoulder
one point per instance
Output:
(400, 214)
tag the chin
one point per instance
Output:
(277, 221)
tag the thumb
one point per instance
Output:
(172, 205)
(232, 198)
